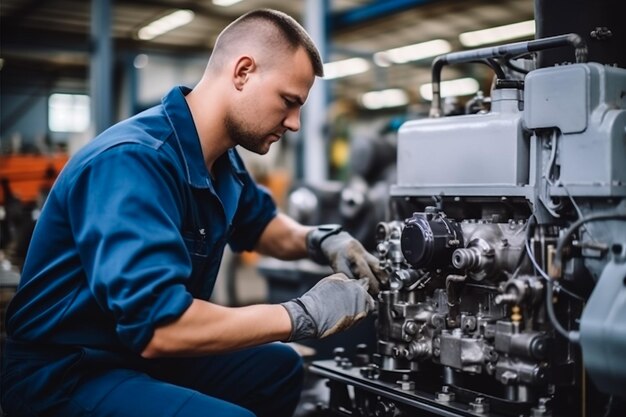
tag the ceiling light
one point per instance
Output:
(413, 52)
(498, 34)
(452, 88)
(225, 3)
(392, 97)
(165, 24)
(141, 61)
(345, 67)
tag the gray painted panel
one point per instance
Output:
(557, 97)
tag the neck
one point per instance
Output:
(206, 103)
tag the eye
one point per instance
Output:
(288, 102)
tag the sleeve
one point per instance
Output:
(125, 214)
(256, 209)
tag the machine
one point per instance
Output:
(506, 251)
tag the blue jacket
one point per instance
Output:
(133, 229)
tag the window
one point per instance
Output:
(68, 112)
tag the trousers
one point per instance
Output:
(262, 381)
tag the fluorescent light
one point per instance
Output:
(165, 24)
(392, 97)
(459, 87)
(345, 67)
(498, 34)
(413, 52)
(225, 3)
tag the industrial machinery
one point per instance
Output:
(506, 251)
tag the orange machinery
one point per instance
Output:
(28, 175)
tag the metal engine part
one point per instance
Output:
(507, 295)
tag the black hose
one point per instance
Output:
(494, 65)
(515, 68)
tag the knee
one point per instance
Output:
(291, 362)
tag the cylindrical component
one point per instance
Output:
(418, 350)
(529, 344)
(428, 240)
(477, 259)
(466, 258)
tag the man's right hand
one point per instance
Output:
(333, 304)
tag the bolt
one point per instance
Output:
(601, 33)
(410, 327)
(338, 354)
(395, 352)
(542, 409)
(445, 395)
(368, 372)
(479, 406)
(406, 385)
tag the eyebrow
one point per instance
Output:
(296, 98)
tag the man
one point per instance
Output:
(111, 316)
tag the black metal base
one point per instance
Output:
(354, 394)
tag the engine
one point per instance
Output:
(505, 250)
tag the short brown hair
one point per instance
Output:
(288, 29)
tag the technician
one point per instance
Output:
(112, 318)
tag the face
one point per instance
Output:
(269, 103)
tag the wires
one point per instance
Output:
(558, 257)
(573, 336)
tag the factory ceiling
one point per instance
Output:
(49, 40)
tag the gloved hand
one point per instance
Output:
(346, 254)
(333, 304)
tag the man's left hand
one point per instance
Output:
(347, 255)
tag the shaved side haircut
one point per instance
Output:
(269, 31)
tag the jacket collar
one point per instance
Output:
(179, 116)
(228, 167)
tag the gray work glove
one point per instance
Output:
(347, 255)
(332, 305)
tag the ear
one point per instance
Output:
(244, 66)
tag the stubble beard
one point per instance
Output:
(244, 137)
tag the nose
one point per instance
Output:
(292, 120)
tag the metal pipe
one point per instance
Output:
(509, 50)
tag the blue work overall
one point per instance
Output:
(132, 231)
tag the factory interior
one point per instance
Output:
(473, 150)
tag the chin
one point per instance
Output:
(260, 150)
